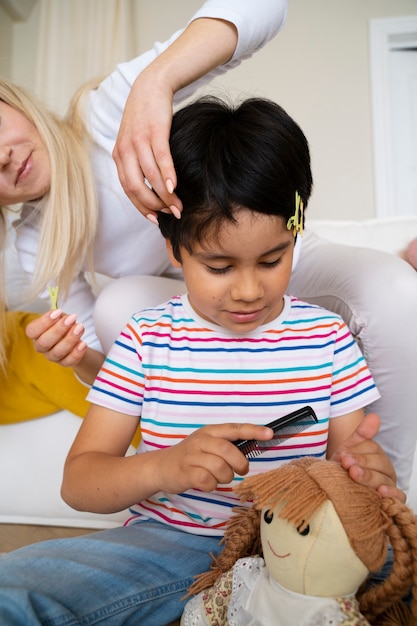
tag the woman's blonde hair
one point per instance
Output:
(370, 522)
(68, 211)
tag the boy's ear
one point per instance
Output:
(174, 261)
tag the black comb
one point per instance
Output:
(285, 427)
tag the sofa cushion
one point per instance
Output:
(391, 234)
(32, 456)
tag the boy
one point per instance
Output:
(203, 370)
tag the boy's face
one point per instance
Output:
(237, 279)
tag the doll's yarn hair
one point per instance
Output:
(370, 522)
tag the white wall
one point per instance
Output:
(317, 68)
(6, 38)
(25, 42)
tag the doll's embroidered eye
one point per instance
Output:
(268, 516)
(303, 531)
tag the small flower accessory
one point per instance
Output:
(296, 222)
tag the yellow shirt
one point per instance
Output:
(32, 386)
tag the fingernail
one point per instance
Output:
(175, 211)
(151, 217)
(78, 329)
(346, 459)
(170, 185)
(81, 346)
(55, 314)
(383, 490)
(70, 319)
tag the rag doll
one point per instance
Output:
(301, 554)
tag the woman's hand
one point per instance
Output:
(58, 337)
(142, 147)
(366, 461)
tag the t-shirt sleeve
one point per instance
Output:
(353, 387)
(120, 382)
(256, 22)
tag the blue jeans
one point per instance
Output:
(128, 575)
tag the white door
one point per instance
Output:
(402, 68)
(393, 58)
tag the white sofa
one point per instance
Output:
(32, 453)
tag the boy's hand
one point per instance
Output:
(365, 460)
(207, 458)
(58, 337)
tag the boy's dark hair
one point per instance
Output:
(251, 155)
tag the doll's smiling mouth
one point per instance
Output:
(279, 556)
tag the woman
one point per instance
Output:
(70, 187)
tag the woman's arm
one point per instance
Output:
(222, 31)
(142, 148)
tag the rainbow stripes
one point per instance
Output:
(178, 372)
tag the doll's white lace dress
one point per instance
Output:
(247, 596)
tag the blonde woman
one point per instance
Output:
(76, 217)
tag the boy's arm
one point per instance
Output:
(99, 478)
(351, 444)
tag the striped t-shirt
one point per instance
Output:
(178, 372)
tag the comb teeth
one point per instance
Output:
(249, 448)
(253, 452)
(284, 428)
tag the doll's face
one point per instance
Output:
(316, 561)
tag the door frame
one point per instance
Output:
(384, 35)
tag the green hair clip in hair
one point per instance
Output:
(296, 222)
